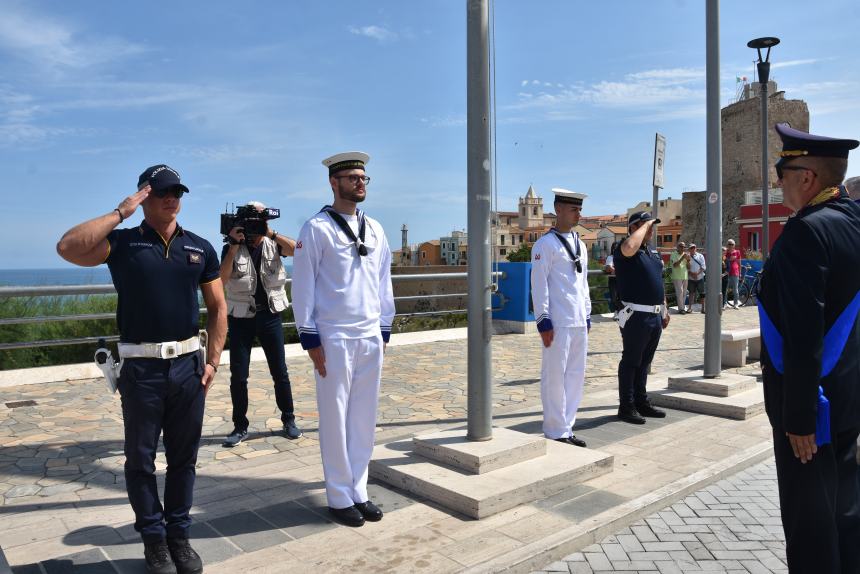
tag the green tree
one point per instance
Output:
(522, 255)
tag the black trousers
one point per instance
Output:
(640, 337)
(267, 327)
(162, 395)
(820, 506)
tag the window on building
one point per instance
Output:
(534, 210)
(521, 238)
(523, 210)
(502, 239)
(423, 255)
(667, 239)
(513, 239)
(503, 251)
(752, 240)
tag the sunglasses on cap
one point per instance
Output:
(165, 191)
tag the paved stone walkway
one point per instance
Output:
(63, 505)
(730, 526)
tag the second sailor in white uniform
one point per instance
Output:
(344, 305)
(562, 308)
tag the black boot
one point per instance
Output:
(646, 410)
(186, 559)
(158, 560)
(629, 414)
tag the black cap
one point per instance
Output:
(639, 217)
(796, 143)
(160, 177)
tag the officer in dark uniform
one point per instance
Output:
(642, 318)
(157, 268)
(808, 305)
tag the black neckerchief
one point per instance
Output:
(344, 226)
(574, 258)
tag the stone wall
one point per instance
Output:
(407, 288)
(741, 149)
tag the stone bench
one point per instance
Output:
(740, 344)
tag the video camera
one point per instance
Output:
(247, 217)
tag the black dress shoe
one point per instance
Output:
(576, 441)
(646, 410)
(349, 516)
(629, 414)
(158, 560)
(186, 559)
(563, 439)
(369, 511)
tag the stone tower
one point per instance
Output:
(741, 147)
(404, 246)
(530, 210)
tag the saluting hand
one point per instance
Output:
(317, 355)
(208, 378)
(803, 446)
(129, 205)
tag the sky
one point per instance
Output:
(245, 99)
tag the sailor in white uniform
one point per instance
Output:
(344, 305)
(562, 307)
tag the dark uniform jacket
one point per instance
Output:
(810, 293)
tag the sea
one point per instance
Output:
(64, 276)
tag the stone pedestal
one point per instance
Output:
(480, 479)
(730, 395)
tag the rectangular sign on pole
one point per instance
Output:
(659, 160)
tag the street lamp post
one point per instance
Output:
(763, 66)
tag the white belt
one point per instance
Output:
(655, 309)
(166, 350)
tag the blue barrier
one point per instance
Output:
(515, 303)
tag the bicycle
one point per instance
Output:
(748, 286)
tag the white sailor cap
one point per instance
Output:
(567, 196)
(346, 160)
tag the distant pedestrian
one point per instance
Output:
(562, 305)
(724, 276)
(612, 281)
(679, 262)
(733, 267)
(697, 277)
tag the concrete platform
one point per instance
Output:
(740, 406)
(726, 385)
(453, 449)
(486, 494)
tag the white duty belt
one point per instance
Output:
(166, 350)
(655, 309)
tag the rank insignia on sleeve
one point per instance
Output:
(537, 257)
(299, 245)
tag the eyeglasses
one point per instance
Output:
(162, 193)
(780, 169)
(354, 179)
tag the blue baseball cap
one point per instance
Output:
(160, 177)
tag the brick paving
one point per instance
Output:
(730, 526)
(63, 502)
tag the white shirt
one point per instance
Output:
(697, 264)
(559, 292)
(337, 293)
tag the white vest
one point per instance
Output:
(242, 285)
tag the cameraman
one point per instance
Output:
(254, 278)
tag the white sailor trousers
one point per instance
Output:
(562, 379)
(347, 399)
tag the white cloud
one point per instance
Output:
(55, 46)
(378, 33)
(648, 94)
(791, 63)
(451, 120)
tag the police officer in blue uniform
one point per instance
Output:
(157, 267)
(809, 300)
(642, 318)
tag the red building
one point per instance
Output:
(750, 224)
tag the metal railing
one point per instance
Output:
(72, 290)
(109, 289)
